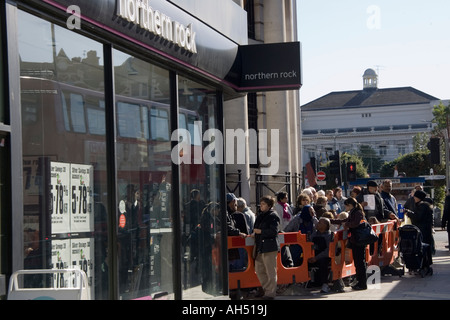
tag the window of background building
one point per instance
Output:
(252, 109)
(64, 165)
(144, 177)
(249, 6)
(200, 193)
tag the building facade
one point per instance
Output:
(109, 110)
(384, 119)
(275, 111)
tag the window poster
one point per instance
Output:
(71, 195)
(82, 215)
(72, 220)
(59, 197)
(61, 260)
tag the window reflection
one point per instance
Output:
(145, 235)
(64, 164)
(200, 193)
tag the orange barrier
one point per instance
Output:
(299, 273)
(246, 278)
(381, 253)
(342, 265)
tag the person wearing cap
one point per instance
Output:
(380, 212)
(410, 204)
(422, 217)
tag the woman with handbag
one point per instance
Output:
(267, 246)
(355, 217)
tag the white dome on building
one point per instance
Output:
(370, 79)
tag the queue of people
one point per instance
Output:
(318, 214)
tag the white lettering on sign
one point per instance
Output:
(270, 75)
(141, 13)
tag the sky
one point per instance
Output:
(407, 42)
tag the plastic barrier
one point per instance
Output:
(79, 291)
(297, 274)
(341, 257)
(381, 254)
(246, 278)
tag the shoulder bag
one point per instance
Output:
(363, 234)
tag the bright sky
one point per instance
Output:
(406, 41)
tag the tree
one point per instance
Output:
(371, 160)
(414, 164)
(441, 115)
(420, 141)
(417, 164)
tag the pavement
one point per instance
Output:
(407, 287)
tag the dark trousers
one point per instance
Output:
(359, 258)
(321, 275)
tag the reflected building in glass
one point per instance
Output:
(90, 125)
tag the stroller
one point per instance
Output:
(416, 254)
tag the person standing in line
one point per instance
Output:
(283, 209)
(379, 210)
(355, 216)
(248, 213)
(410, 203)
(332, 203)
(422, 218)
(446, 217)
(340, 197)
(267, 247)
(390, 202)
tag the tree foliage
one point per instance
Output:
(371, 160)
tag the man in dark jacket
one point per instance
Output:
(321, 238)
(422, 218)
(446, 216)
(379, 211)
(236, 224)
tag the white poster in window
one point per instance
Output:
(82, 256)
(370, 199)
(61, 259)
(59, 197)
(81, 192)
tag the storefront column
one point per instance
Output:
(237, 119)
(16, 140)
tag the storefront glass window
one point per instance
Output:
(200, 189)
(144, 174)
(2, 88)
(5, 194)
(64, 154)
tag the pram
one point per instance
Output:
(416, 254)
